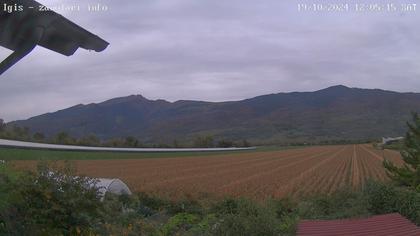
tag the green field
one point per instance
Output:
(38, 154)
(32, 154)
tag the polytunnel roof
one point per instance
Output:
(115, 186)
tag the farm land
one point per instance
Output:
(255, 174)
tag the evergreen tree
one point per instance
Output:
(409, 173)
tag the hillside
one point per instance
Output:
(336, 112)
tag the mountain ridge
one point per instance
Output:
(336, 112)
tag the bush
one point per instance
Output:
(383, 198)
(408, 205)
(227, 206)
(181, 222)
(375, 198)
(187, 205)
(244, 217)
(50, 203)
(151, 202)
(57, 203)
(285, 210)
(342, 204)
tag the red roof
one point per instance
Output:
(390, 224)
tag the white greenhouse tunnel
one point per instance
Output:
(115, 186)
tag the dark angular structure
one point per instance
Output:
(24, 24)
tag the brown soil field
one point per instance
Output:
(259, 175)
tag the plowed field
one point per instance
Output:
(294, 172)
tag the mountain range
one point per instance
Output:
(337, 112)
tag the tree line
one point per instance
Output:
(14, 132)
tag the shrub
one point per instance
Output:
(152, 202)
(285, 210)
(408, 205)
(244, 217)
(180, 223)
(205, 226)
(57, 203)
(227, 206)
(342, 204)
(51, 203)
(383, 198)
(187, 205)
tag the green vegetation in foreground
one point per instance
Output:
(409, 174)
(35, 204)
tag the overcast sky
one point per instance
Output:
(215, 50)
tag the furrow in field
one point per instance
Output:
(337, 178)
(232, 169)
(321, 177)
(378, 157)
(274, 170)
(256, 174)
(214, 183)
(222, 167)
(148, 170)
(355, 170)
(340, 179)
(375, 164)
(364, 167)
(282, 183)
(310, 180)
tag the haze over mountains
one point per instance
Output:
(333, 113)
